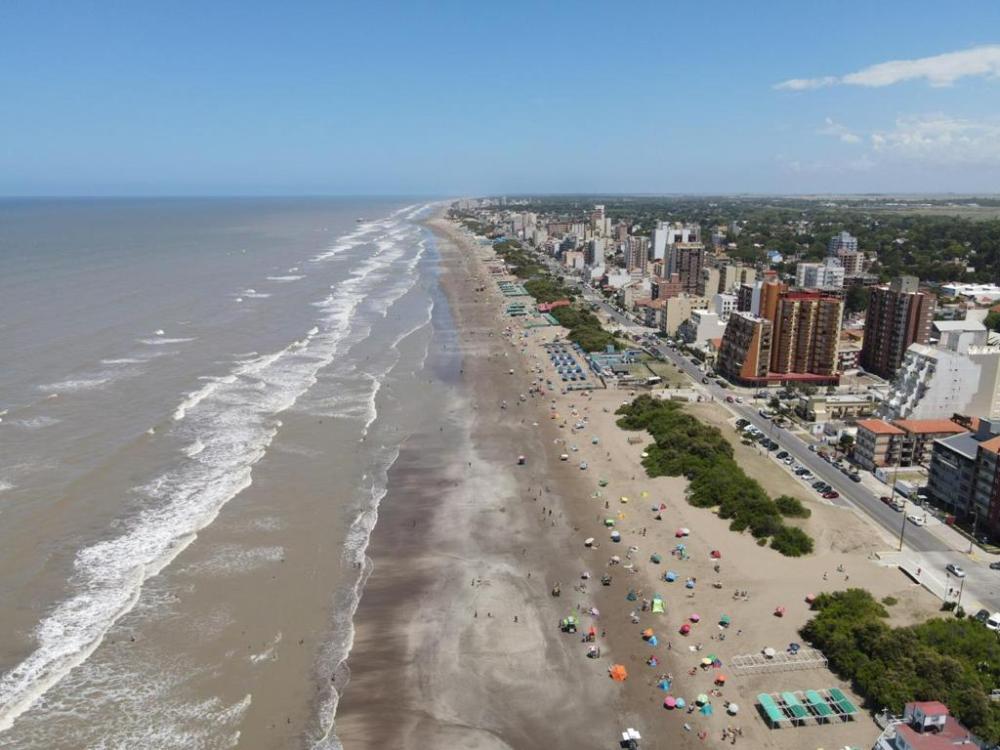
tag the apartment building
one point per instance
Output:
(904, 442)
(745, 352)
(898, 315)
(806, 334)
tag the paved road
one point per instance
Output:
(982, 584)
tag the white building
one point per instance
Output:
(701, 327)
(668, 234)
(826, 275)
(723, 305)
(842, 241)
(595, 252)
(973, 291)
(961, 375)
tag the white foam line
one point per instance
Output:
(108, 576)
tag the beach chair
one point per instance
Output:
(819, 707)
(774, 714)
(844, 706)
(796, 709)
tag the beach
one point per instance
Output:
(457, 635)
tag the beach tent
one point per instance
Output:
(706, 662)
(652, 661)
(664, 685)
(702, 699)
(689, 583)
(685, 629)
(602, 482)
(631, 595)
(655, 558)
(652, 641)
(681, 703)
(618, 672)
(623, 499)
(657, 605)
(720, 679)
(670, 576)
(779, 611)
(769, 652)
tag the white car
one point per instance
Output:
(955, 570)
(993, 623)
(915, 519)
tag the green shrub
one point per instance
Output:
(890, 601)
(792, 507)
(684, 446)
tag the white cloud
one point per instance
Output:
(941, 139)
(839, 131)
(937, 70)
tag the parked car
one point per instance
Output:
(981, 616)
(730, 399)
(993, 622)
(955, 570)
(831, 495)
(995, 565)
(855, 477)
(886, 499)
(817, 485)
(915, 519)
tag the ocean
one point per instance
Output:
(200, 402)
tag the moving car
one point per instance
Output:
(915, 519)
(886, 499)
(955, 570)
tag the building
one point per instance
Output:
(744, 297)
(926, 725)
(652, 312)
(826, 275)
(961, 375)
(972, 291)
(731, 277)
(745, 353)
(662, 288)
(595, 252)
(686, 260)
(986, 499)
(853, 262)
(701, 327)
(723, 305)
(709, 282)
(951, 481)
(806, 334)
(678, 309)
(904, 442)
(898, 315)
(767, 295)
(877, 444)
(843, 241)
(636, 253)
(822, 407)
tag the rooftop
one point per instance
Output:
(959, 325)
(929, 426)
(879, 427)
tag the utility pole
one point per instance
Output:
(892, 501)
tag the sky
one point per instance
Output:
(465, 98)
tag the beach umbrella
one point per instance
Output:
(657, 605)
(615, 536)
(623, 499)
(707, 710)
(716, 555)
(644, 493)
(589, 541)
(702, 699)
(653, 641)
(631, 595)
(733, 709)
(670, 702)
(655, 558)
(647, 633)
(616, 559)
(695, 617)
(618, 672)
(725, 620)
(689, 583)
(779, 611)
(664, 685)
(685, 629)
(706, 662)
(713, 658)
(769, 652)
(720, 679)
(609, 522)
(681, 703)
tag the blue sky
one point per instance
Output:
(468, 98)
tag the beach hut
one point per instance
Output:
(618, 672)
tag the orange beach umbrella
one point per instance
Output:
(618, 672)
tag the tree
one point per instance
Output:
(992, 320)
(846, 442)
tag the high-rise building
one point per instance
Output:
(745, 353)
(826, 275)
(709, 283)
(667, 234)
(806, 334)
(731, 276)
(898, 315)
(686, 260)
(595, 252)
(636, 253)
(842, 241)
(852, 261)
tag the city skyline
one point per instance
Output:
(448, 100)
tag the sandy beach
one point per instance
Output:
(468, 541)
